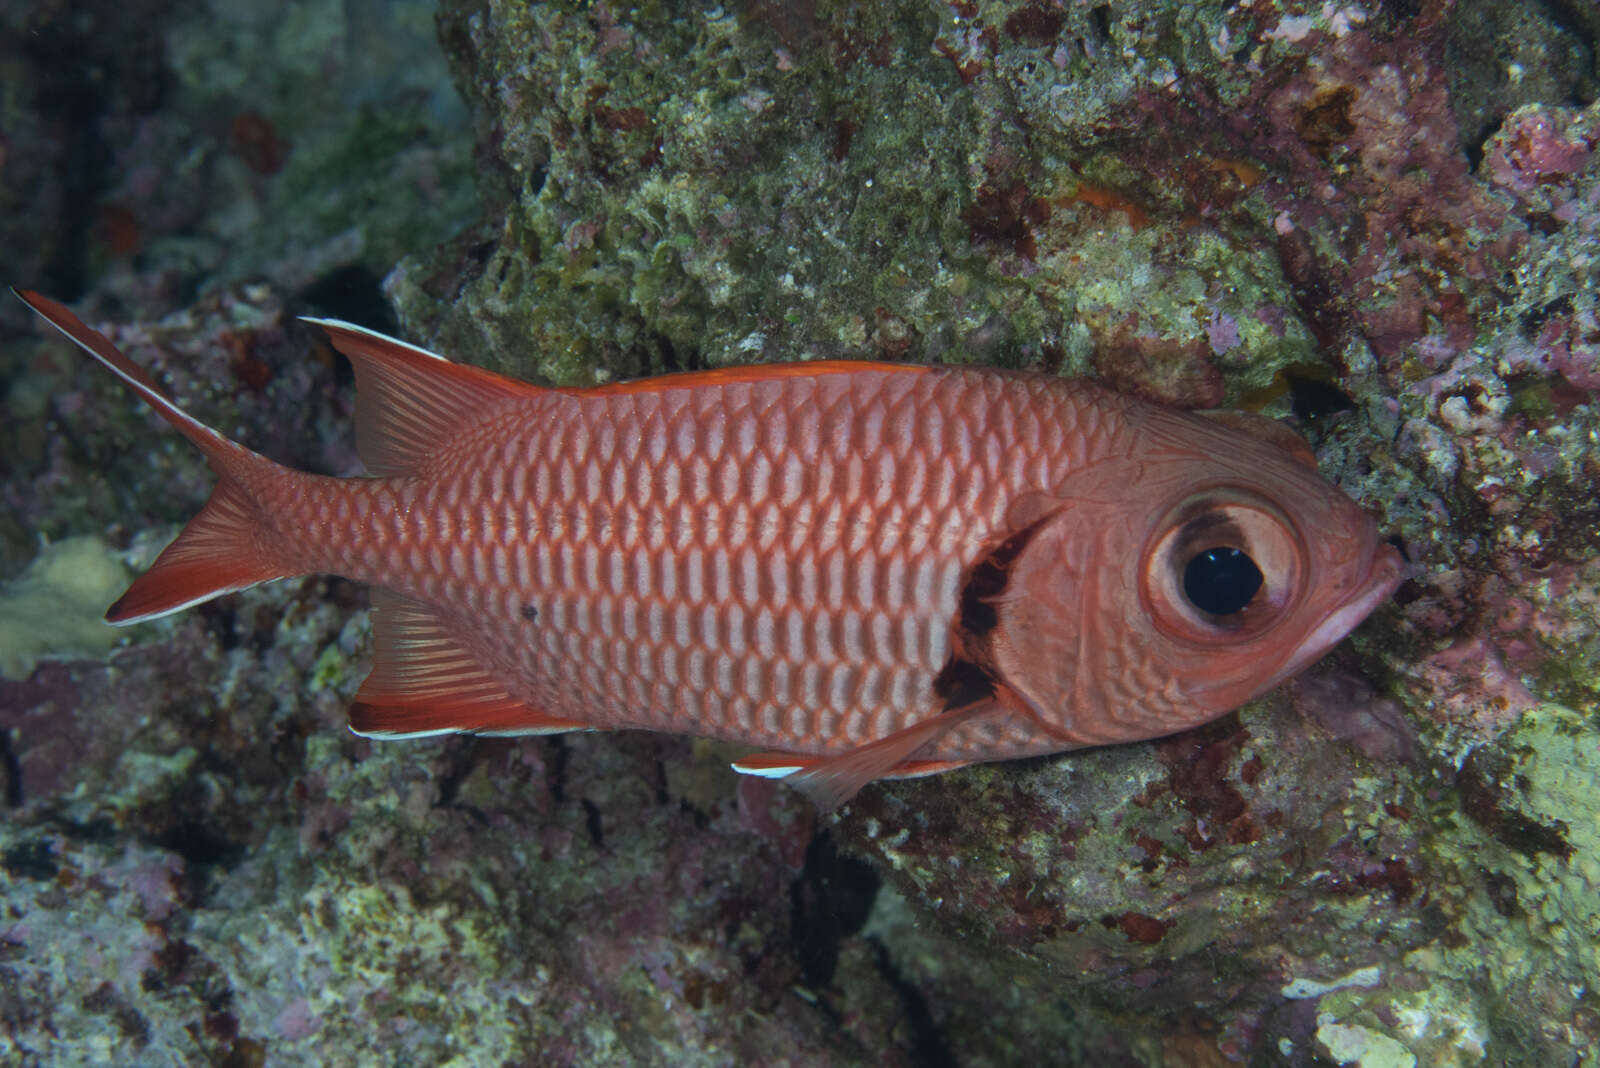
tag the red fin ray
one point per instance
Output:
(226, 456)
(1268, 430)
(424, 682)
(921, 769)
(219, 551)
(213, 554)
(409, 401)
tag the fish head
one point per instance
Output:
(1202, 565)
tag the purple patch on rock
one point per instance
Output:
(297, 1021)
(1223, 333)
(1348, 707)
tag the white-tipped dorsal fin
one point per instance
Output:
(410, 401)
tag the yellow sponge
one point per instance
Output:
(53, 609)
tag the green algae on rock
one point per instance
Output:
(736, 186)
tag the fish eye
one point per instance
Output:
(1221, 581)
(1224, 565)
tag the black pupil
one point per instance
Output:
(1221, 581)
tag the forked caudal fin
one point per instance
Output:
(219, 550)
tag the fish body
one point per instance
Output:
(868, 569)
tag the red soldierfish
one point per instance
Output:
(870, 569)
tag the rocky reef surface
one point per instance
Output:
(1379, 222)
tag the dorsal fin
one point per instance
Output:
(757, 372)
(1266, 429)
(410, 401)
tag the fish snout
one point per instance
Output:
(1387, 568)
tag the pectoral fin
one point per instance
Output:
(832, 780)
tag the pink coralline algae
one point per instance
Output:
(1470, 683)
(1368, 131)
(1349, 706)
(1538, 150)
(296, 1021)
(1560, 341)
(1223, 333)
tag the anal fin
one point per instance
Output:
(424, 682)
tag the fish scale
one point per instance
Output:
(873, 569)
(792, 627)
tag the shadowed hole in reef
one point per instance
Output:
(459, 761)
(1313, 399)
(200, 844)
(34, 859)
(591, 821)
(556, 755)
(668, 359)
(828, 903)
(11, 769)
(352, 293)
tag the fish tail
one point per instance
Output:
(218, 551)
(222, 549)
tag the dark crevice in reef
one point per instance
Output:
(460, 760)
(352, 293)
(31, 859)
(556, 767)
(11, 769)
(200, 843)
(591, 821)
(1487, 788)
(87, 64)
(928, 1049)
(828, 903)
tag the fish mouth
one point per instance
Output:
(1384, 574)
